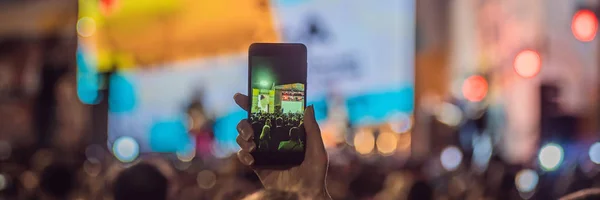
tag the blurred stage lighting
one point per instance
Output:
(387, 142)
(475, 88)
(264, 83)
(186, 155)
(526, 180)
(449, 114)
(584, 25)
(364, 142)
(400, 122)
(528, 63)
(451, 158)
(594, 153)
(551, 156)
(126, 149)
(86, 26)
(482, 151)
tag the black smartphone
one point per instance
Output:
(277, 87)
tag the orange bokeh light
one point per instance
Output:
(475, 88)
(584, 25)
(528, 63)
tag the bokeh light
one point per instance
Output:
(482, 151)
(126, 149)
(551, 156)
(30, 180)
(475, 88)
(206, 179)
(594, 153)
(526, 180)
(92, 167)
(584, 25)
(86, 26)
(387, 142)
(187, 155)
(400, 122)
(451, 158)
(449, 114)
(404, 142)
(364, 142)
(528, 63)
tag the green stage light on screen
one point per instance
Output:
(264, 83)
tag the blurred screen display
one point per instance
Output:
(178, 64)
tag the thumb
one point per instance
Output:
(314, 141)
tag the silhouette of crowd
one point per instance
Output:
(277, 130)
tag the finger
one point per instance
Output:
(245, 130)
(314, 142)
(245, 157)
(248, 146)
(242, 100)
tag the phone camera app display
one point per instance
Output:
(278, 101)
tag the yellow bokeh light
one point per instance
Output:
(364, 142)
(86, 26)
(206, 179)
(387, 143)
(404, 142)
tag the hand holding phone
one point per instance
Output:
(308, 177)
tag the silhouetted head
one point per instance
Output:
(142, 181)
(421, 191)
(295, 133)
(279, 121)
(57, 180)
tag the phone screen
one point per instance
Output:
(278, 91)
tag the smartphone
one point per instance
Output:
(277, 87)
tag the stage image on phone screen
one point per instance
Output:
(278, 101)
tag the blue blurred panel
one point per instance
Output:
(291, 2)
(169, 136)
(376, 107)
(225, 127)
(87, 79)
(320, 109)
(121, 97)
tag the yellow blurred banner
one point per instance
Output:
(141, 33)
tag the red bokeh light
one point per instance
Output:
(107, 6)
(475, 88)
(528, 63)
(584, 25)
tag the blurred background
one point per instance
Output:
(441, 99)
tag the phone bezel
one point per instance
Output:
(277, 160)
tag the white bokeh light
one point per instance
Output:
(526, 180)
(594, 153)
(449, 114)
(551, 156)
(451, 158)
(126, 149)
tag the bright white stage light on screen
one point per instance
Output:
(451, 158)
(526, 180)
(594, 153)
(551, 156)
(126, 149)
(264, 83)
